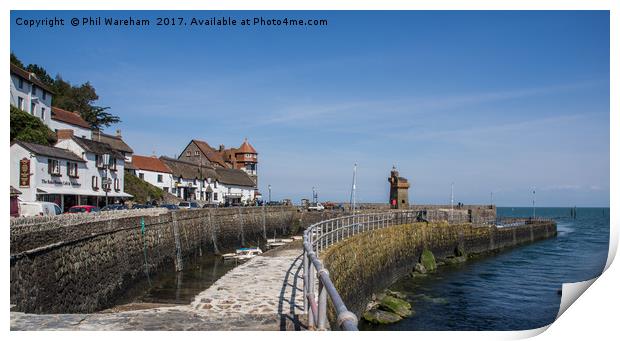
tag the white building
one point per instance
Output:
(62, 120)
(29, 94)
(235, 186)
(44, 173)
(154, 171)
(92, 152)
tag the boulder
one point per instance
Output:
(377, 316)
(455, 260)
(428, 260)
(395, 305)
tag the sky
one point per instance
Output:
(496, 103)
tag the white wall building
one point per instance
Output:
(43, 173)
(154, 171)
(63, 119)
(29, 94)
(95, 174)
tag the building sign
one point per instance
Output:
(24, 172)
(59, 182)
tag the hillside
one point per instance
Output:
(141, 190)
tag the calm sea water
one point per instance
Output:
(513, 290)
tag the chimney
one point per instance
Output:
(118, 133)
(221, 147)
(64, 134)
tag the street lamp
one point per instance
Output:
(269, 193)
(106, 181)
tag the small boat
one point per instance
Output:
(271, 243)
(243, 253)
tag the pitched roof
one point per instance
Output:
(211, 154)
(150, 163)
(69, 117)
(39, 149)
(246, 148)
(188, 170)
(97, 147)
(234, 177)
(29, 76)
(115, 141)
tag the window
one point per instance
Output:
(44, 94)
(20, 103)
(33, 106)
(117, 185)
(21, 83)
(53, 167)
(215, 185)
(141, 176)
(189, 153)
(166, 189)
(112, 164)
(99, 161)
(196, 153)
(95, 182)
(105, 184)
(43, 114)
(215, 196)
(160, 178)
(174, 190)
(34, 90)
(72, 169)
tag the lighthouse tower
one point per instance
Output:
(399, 190)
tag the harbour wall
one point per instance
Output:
(81, 263)
(371, 261)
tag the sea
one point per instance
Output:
(516, 289)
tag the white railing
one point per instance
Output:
(317, 282)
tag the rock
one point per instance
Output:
(396, 294)
(459, 251)
(428, 260)
(419, 268)
(455, 260)
(396, 306)
(377, 316)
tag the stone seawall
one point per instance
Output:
(369, 262)
(82, 267)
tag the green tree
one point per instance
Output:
(15, 61)
(27, 128)
(41, 74)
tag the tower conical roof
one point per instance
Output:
(246, 147)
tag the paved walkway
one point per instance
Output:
(264, 293)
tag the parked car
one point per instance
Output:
(38, 208)
(184, 205)
(316, 207)
(169, 206)
(210, 206)
(114, 207)
(139, 206)
(83, 208)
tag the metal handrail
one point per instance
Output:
(320, 236)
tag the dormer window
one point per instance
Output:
(21, 83)
(112, 164)
(34, 90)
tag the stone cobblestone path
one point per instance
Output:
(264, 293)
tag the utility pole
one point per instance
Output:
(534, 201)
(269, 186)
(353, 188)
(451, 200)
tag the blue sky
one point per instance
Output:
(493, 101)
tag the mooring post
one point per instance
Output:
(178, 260)
(213, 234)
(241, 225)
